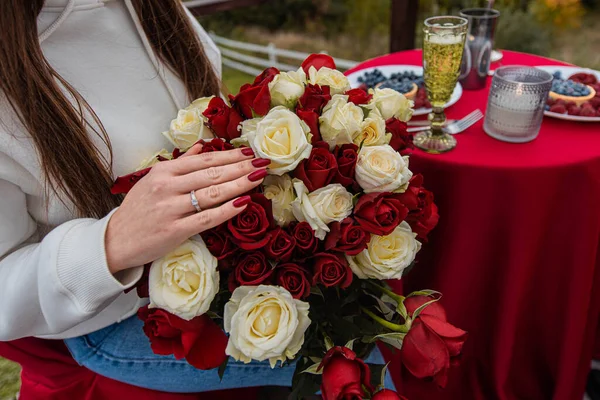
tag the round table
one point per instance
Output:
(515, 253)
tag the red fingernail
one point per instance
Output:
(257, 175)
(247, 151)
(260, 162)
(242, 201)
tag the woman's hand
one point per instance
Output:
(157, 215)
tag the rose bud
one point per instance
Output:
(249, 228)
(432, 344)
(295, 278)
(346, 237)
(318, 169)
(379, 213)
(280, 246)
(306, 242)
(344, 375)
(331, 269)
(251, 269)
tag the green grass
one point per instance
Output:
(9, 379)
(233, 79)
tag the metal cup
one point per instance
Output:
(478, 47)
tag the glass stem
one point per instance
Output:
(437, 119)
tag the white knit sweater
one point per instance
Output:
(54, 279)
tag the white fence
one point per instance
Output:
(247, 63)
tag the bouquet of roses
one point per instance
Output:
(298, 276)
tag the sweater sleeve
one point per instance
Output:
(49, 287)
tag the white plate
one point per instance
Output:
(387, 70)
(496, 56)
(567, 72)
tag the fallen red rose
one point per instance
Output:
(200, 341)
(344, 375)
(431, 344)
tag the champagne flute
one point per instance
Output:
(443, 45)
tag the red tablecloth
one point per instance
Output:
(515, 254)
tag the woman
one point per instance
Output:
(87, 86)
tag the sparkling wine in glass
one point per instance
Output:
(443, 46)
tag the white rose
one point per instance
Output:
(280, 191)
(341, 121)
(386, 257)
(382, 169)
(281, 137)
(264, 322)
(187, 129)
(391, 103)
(372, 132)
(337, 82)
(200, 105)
(286, 88)
(153, 160)
(321, 207)
(185, 281)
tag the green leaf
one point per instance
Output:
(401, 309)
(304, 384)
(316, 359)
(328, 343)
(376, 370)
(384, 308)
(213, 315)
(394, 339)
(383, 372)
(350, 344)
(422, 307)
(316, 290)
(222, 368)
(312, 370)
(425, 292)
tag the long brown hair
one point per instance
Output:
(72, 164)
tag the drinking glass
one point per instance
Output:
(443, 45)
(516, 103)
(478, 49)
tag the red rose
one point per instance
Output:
(294, 278)
(346, 237)
(331, 269)
(216, 144)
(314, 98)
(249, 228)
(280, 246)
(401, 138)
(251, 268)
(358, 96)
(431, 344)
(222, 119)
(200, 341)
(306, 242)
(123, 184)
(219, 243)
(346, 155)
(422, 212)
(318, 61)
(255, 99)
(311, 119)
(318, 169)
(344, 375)
(379, 213)
(387, 394)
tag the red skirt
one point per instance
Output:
(50, 373)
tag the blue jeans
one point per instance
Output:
(122, 352)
